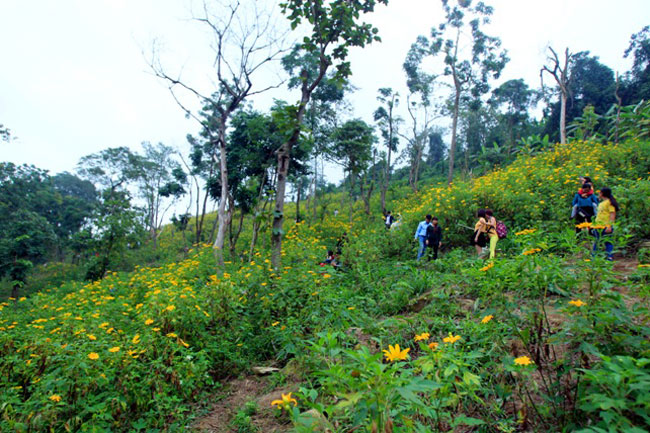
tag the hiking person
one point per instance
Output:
(492, 231)
(340, 243)
(604, 223)
(586, 179)
(479, 238)
(421, 235)
(434, 237)
(585, 205)
(388, 220)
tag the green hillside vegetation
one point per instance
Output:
(544, 338)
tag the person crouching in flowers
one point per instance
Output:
(604, 223)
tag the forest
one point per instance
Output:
(161, 290)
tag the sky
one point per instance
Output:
(74, 77)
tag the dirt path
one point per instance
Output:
(237, 393)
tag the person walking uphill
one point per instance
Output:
(421, 235)
(434, 237)
(604, 223)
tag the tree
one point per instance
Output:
(436, 152)
(112, 168)
(637, 86)
(5, 133)
(352, 147)
(244, 42)
(160, 178)
(469, 70)
(512, 100)
(27, 200)
(589, 83)
(388, 123)
(560, 72)
(335, 27)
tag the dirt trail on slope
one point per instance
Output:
(237, 393)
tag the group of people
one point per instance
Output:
(602, 209)
(586, 206)
(429, 235)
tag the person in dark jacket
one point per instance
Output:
(434, 237)
(585, 205)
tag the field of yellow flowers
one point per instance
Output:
(528, 341)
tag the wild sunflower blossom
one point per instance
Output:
(114, 349)
(525, 232)
(433, 345)
(577, 303)
(486, 319)
(424, 336)
(394, 353)
(285, 402)
(523, 360)
(451, 339)
(55, 398)
(94, 356)
(531, 251)
(487, 267)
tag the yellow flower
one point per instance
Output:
(170, 308)
(525, 232)
(136, 339)
(351, 308)
(55, 397)
(92, 337)
(148, 321)
(451, 339)
(93, 356)
(531, 251)
(488, 267)
(172, 335)
(423, 336)
(433, 346)
(114, 349)
(275, 323)
(285, 402)
(487, 318)
(395, 354)
(523, 360)
(577, 303)
(326, 275)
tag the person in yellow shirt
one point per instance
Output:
(480, 229)
(604, 222)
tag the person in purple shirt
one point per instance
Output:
(421, 235)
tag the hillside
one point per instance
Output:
(544, 338)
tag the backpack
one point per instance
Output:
(502, 230)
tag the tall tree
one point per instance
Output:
(560, 73)
(637, 86)
(161, 178)
(388, 122)
(352, 148)
(512, 100)
(334, 27)
(244, 42)
(470, 56)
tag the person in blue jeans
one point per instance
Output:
(421, 235)
(604, 224)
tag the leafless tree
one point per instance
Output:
(245, 41)
(560, 72)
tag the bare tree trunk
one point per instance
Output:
(234, 237)
(416, 175)
(298, 200)
(454, 126)
(225, 212)
(315, 188)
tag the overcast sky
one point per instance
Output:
(74, 80)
